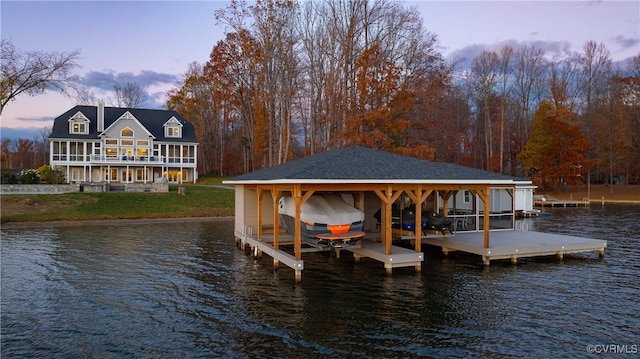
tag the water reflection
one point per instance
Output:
(166, 290)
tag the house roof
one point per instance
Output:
(152, 120)
(357, 164)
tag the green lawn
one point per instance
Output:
(199, 201)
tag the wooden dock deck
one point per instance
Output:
(509, 244)
(548, 201)
(368, 248)
(517, 244)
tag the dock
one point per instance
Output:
(518, 244)
(369, 247)
(548, 201)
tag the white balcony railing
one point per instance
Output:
(124, 160)
(102, 159)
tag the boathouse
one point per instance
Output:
(478, 202)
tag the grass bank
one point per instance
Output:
(200, 200)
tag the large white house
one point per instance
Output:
(123, 145)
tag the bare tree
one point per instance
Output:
(34, 72)
(129, 95)
(484, 71)
(596, 71)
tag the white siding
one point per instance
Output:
(239, 202)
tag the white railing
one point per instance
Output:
(102, 159)
(126, 159)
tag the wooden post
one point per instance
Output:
(297, 246)
(387, 197)
(276, 194)
(259, 214)
(484, 196)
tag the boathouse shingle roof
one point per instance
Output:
(360, 164)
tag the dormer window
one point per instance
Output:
(79, 124)
(173, 128)
(79, 128)
(173, 132)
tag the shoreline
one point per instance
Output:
(104, 222)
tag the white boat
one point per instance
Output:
(326, 220)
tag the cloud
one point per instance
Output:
(36, 120)
(100, 84)
(626, 42)
(105, 80)
(550, 48)
(100, 80)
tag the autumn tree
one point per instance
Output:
(34, 72)
(555, 152)
(195, 99)
(381, 115)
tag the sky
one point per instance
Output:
(151, 43)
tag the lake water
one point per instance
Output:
(183, 290)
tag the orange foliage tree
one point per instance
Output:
(555, 152)
(383, 107)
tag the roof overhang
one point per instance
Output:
(452, 182)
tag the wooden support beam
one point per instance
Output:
(484, 196)
(418, 196)
(445, 198)
(297, 245)
(275, 195)
(357, 198)
(259, 194)
(387, 196)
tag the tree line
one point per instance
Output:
(292, 79)
(295, 78)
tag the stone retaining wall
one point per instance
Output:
(81, 187)
(38, 188)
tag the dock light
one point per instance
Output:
(562, 247)
(488, 252)
(516, 250)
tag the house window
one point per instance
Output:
(127, 132)
(142, 152)
(111, 141)
(127, 142)
(76, 151)
(79, 128)
(467, 197)
(77, 174)
(111, 175)
(141, 175)
(172, 131)
(111, 152)
(173, 156)
(59, 151)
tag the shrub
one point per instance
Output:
(29, 176)
(51, 175)
(8, 177)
